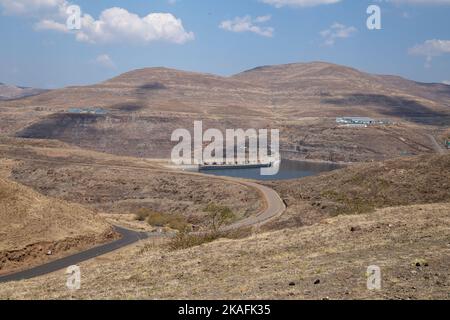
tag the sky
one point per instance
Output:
(45, 45)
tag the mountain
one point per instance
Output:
(302, 100)
(320, 88)
(9, 92)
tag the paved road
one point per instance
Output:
(273, 208)
(128, 237)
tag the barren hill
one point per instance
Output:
(9, 92)
(144, 106)
(363, 188)
(35, 228)
(310, 89)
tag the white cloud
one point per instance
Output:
(51, 25)
(113, 25)
(447, 82)
(248, 24)
(430, 49)
(118, 25)
(34, 7)
(337, 31)
(298, 3)
(105, 61)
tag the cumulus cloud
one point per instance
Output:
(118, 25)
(248, 24)
(299, 3)
(113, 25)
(337, 31)
(430, 49)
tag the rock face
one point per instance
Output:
(302, 100)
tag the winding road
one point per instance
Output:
(127, 237)
(273, 208)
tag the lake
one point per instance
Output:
(288, 170)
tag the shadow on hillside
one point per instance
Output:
(151, 86)
(438, 88)
(62, 126)
(128, 107)
(389, 106)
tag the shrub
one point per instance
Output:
(218, 216)
(185, 240)
(142, 214)
(157, 219)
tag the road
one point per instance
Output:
(128, 237)
(273, 207)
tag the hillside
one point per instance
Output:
(323, 261)
(9, 92)
(35, 228)
(323, 88)
(144, 106)
(363, 188)
(118, 185)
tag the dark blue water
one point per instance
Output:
(288, 170)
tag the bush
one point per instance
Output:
(185, 240)
(218, 216)
(142, 214)
(157, 219)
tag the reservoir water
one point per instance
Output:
(288, 170)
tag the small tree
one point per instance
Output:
(218, 216)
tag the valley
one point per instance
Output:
(77, 161)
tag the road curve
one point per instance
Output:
(273, 208)
(128, 237)
(274, 205)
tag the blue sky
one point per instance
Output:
(218, 36)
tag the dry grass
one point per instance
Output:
(265, 266)
(185, 240)
(365, 187)
(113, 184)
(146, 105)
(32, 222)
